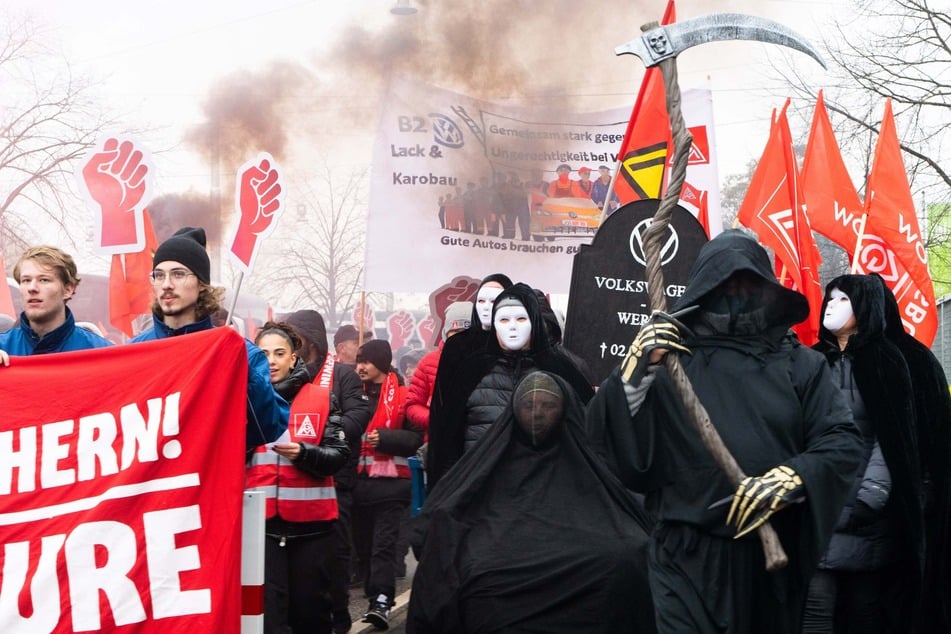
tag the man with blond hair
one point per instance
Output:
(47, 280)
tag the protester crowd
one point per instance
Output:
(556, 505)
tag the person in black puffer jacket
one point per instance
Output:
(869, 578)
(483, 385)
(296, 475)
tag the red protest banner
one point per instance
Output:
(120, 489)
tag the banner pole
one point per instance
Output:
(234, 300)
(361, 322)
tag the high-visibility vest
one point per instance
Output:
(289, 492)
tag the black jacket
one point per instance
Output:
(355, 414)
(321, 460)
(865, 539)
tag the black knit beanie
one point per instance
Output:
(187, 245)
(377, 352)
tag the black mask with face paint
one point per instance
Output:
(539, 406)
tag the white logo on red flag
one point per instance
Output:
(116, 180)
(259, 199)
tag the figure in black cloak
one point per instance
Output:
(472, 341)
(933, 424)
(482, 386)
(773, 403)
(531, 531)
(869, 579)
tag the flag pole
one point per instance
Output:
(610, 193)
(234, 300)
(363, 305)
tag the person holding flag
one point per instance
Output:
(48, 279)
(184, 302)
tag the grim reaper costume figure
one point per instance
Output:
(773, 403)
(530, 532)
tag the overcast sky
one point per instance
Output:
(161, 62)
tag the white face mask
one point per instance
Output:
(838, 311)
(485, 299)
(512, 327)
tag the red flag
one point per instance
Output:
(130, 293)
(774, 209)
(6, 297)
(697, 200)
(832, 204)
(891, 244)
(647, 141)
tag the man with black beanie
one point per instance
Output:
(355, 414)
(382, 490)
(184, 303)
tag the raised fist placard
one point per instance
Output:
(116, 177)
(259, 198)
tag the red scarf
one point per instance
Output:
(386, 416)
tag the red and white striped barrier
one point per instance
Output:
(252, 563)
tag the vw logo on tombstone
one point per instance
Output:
(668, 250)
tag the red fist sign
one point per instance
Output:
(117, 183)
(259, 197)
(400, 327)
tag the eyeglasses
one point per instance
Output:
(176, 275)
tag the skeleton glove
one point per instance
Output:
(661, 332)
(757, 498)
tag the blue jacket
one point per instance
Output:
(265, 406)
(67, 337)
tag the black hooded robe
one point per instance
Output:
(447, 416)
(933, 423)
(883, 381)
(523, 539)
(773, 403)
(455, 352)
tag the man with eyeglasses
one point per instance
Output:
(47, 279)
(184, 302)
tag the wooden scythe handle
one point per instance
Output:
(772, 548)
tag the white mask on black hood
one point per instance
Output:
(485, 299)
(838, 311)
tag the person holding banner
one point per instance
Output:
(184, 303)
(48, 279)
(301, 503)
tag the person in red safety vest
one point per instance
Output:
(561, 187)
(383, 489)
(296, 475)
